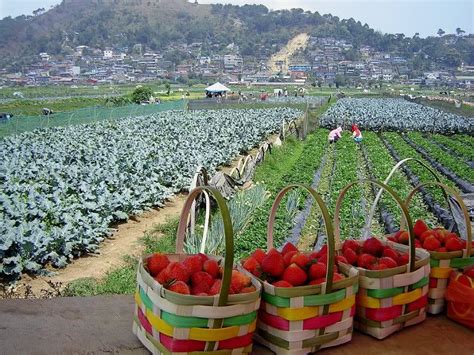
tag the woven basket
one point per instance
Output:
(460, 300)
(167, 322)
(389, 300)
(304, 319)
(442, 264)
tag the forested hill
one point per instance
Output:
(158, 23)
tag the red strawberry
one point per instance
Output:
(199, 289)
(317, 281)
(373, 246)
(248, 289)
(313, 256)
(253, 266)
(179, 287)
(287, 257)
(322, 252)
(300, 259)
(288, 247)
(162, 277)
(323, 259)
(176, 271)
(388, 261)
(403, 259)
(203, 257)
(442, 250)
(454, 244)
(341, 259)
(337, 277)
(211, 267)
(419, 227)
(202, 279)
(317, 271)
(282, 283)
(365, 260)
(378, 266)
(156, 263)
(392, 239)
(404, 238)
(273, 263)
(193, 263)
(441, 234)
(391, 253)
(418, 244)
(351, 244)
(216, 288)
(431, 243)
(426, 234)
(239, 281)
(294, 275)
(259, 254)
(351, 256)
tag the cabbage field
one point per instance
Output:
(60, 188)
(394, 115)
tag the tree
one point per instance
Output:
(168, 88)
(441, 32)
(459, 31)
(141, 94)
(340, 80)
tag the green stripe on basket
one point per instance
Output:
(195, 322)
(145, 299)
(434, 262)
(390, 292)
(461, 262)
(313, 300)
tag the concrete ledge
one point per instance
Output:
(102, 324)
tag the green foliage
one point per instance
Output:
(141, 94)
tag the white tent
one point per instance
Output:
(217, 87)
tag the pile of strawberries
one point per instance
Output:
(467, 277)
(290, 267)
(372, 254)
(196, 275)
(437, 239)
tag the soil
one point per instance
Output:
(284, 55)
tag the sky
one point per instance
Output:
(388, 16)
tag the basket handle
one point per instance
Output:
(405, 215)
(458, 198)
(327, 224)
(387, 179)
(228, 235)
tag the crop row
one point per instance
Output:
(394, 115)
(292, 163)
(460, 148)
(60, 188)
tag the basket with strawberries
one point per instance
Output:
(393, 278)
(195, 303)
(447, 250)
(308, 299)
(460, 296)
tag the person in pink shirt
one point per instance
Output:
(335, 134)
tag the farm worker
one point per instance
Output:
(335, 134)
(356, 134)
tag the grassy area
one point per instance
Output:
(464, 110)
(34, 107)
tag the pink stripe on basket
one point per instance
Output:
(419, 303)
(322, 321)
(383, 314)
(235, 343)
(274, 321)
(144, 322)
(181, 345)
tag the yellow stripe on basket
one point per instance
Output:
(204, 334)
(440, 272)
(298, 313)
(342, 305)
(159, 324)
(138, 300)
(368, 302)
(408, 297)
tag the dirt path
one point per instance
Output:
(124, 242)
(280, 61)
